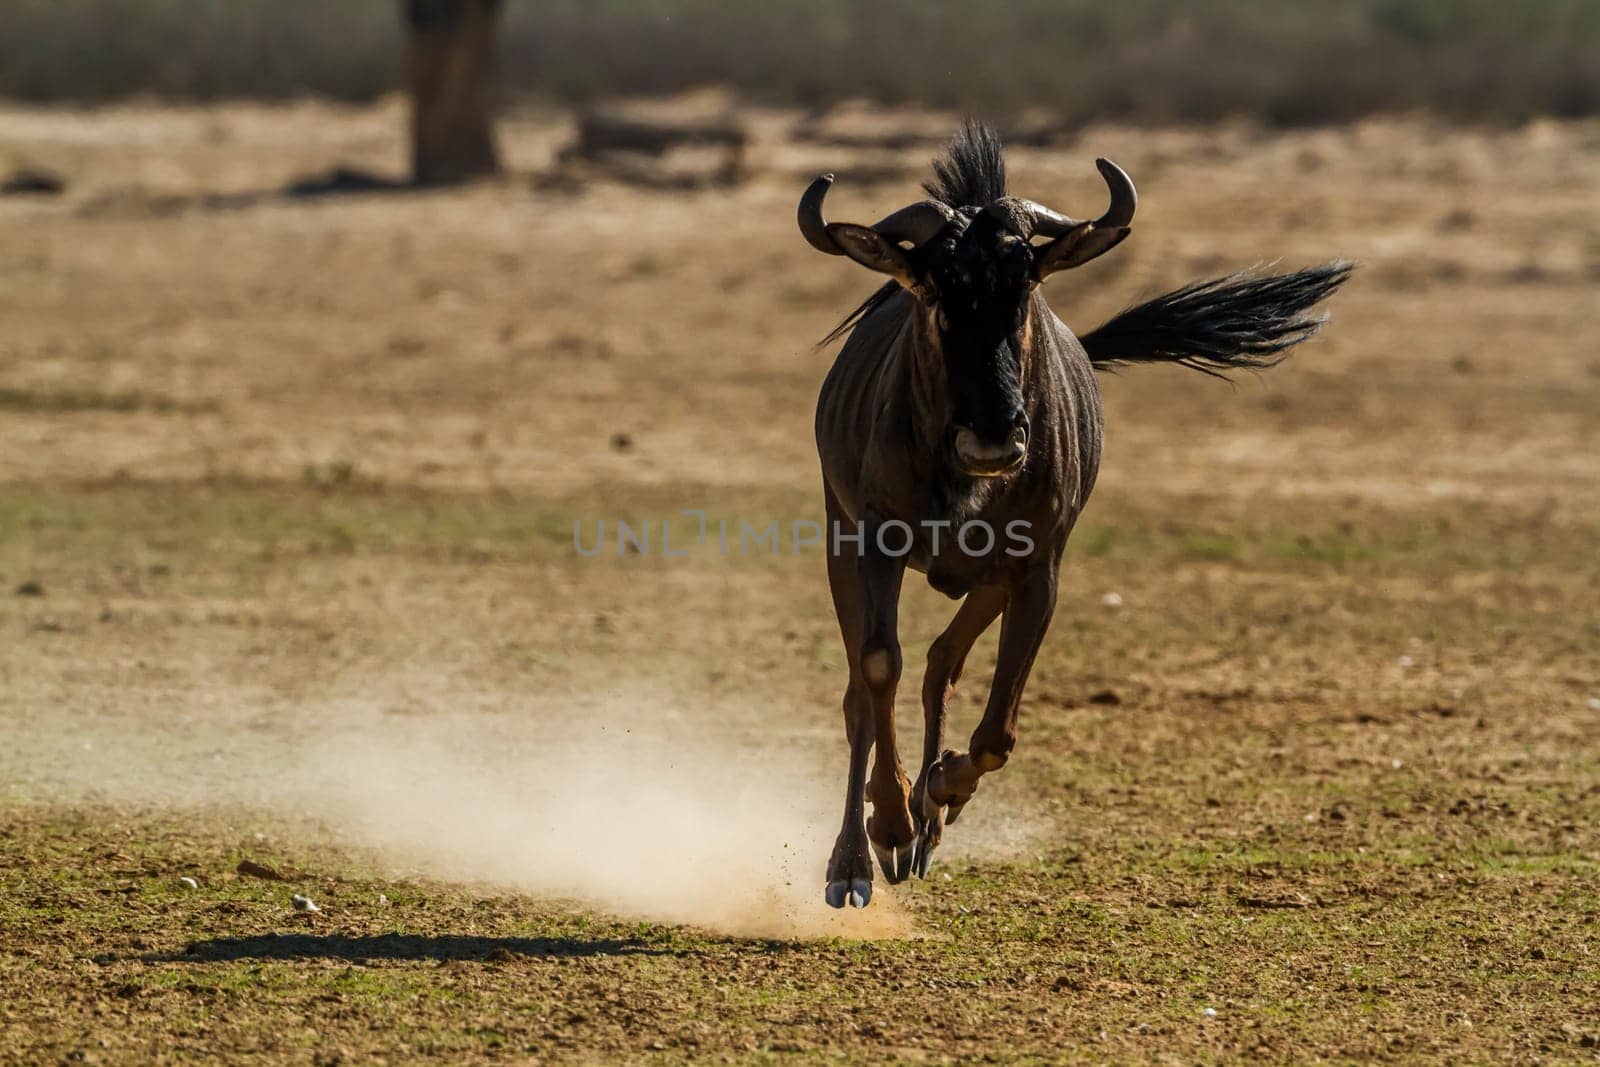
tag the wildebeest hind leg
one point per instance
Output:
(954, 777)
(946, 658)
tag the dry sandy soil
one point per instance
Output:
(287, 493)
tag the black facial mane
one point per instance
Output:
(972, 172)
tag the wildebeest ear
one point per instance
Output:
(874, 251)
(1076, 247)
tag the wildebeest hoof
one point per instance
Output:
(946, 778)
(930, 831)
(857, 892)
(894, 861)
(922, 854)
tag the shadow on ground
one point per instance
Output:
(403, 947)
(339, 182)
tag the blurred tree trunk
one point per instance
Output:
(452, 89)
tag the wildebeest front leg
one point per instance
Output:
(866, 591)
(946, 658)
(954, 776)
(890, 828)
(850, 868)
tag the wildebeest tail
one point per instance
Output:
(1240, 321)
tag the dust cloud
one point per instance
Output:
(636, 814)
(639, 804)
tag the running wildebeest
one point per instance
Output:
(960, 432)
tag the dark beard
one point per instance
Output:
(959, 497)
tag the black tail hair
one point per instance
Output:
(1239, 321)
(972, 172)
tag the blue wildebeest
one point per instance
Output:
(960, 432)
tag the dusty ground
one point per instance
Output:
(287, 575)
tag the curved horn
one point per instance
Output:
(1124, 197)
(812, 225)
(1045, 222)
(1124, 200)
(915, 222)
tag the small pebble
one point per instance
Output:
(1112, 600)
(1405, 661)
(382, 899)
(1396, 764)
(189, 883)
(1210, 1013)
(304, 903)
(1594, 703)
(947, 876)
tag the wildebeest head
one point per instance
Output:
(973, 267)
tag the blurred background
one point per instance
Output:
(1303, 61)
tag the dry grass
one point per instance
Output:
(1328, 770)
